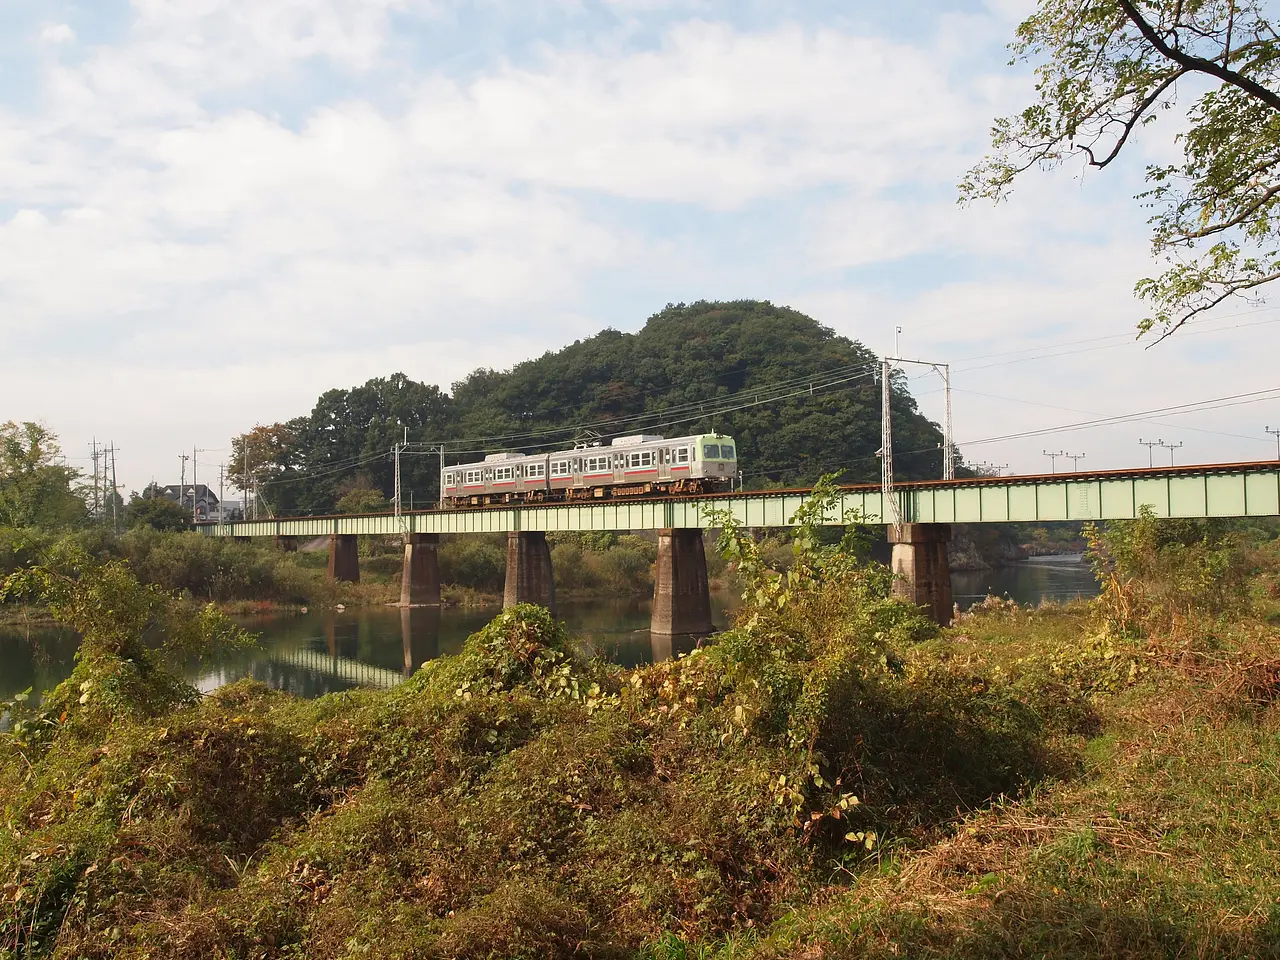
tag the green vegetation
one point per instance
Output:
(684, 355)
(1108, 69)
(831, 777)
(36, 485)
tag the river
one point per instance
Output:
(324, 650)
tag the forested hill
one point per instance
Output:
(800, 400)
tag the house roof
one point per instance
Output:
(202, 492)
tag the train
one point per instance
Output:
(640, 465)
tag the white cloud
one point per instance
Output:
(714, 117)
(214, 214)
(57, 33)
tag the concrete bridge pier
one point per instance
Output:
(922, 569)
(681, 596)
(420, 577)
(529, 576)
(344, 560)
(287, 544)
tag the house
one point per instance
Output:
(206, 502)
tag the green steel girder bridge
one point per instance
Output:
(919, 532)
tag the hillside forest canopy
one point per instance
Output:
(691, 368)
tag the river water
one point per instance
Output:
(324, 650)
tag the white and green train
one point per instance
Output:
(628, 467)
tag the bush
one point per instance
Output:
(476, 562)
(1166, 578)
(215, 568)
(513, 800)
(622, 567)
(384, 564)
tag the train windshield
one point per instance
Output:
(710, 451)
(726, 451)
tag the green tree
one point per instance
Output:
(686, 362)
(156, 511)
(36, 485)
(1109, 67)
(363, 500)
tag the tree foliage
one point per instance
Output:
(675, 373)
(1107, 68)
(133, 635)
(36, 485)
(155, 510)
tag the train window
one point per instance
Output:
(726, 452)
(710, 451)
(577, 465)
(599, 465)
(641, 458)
(502, 473)
(682, 454)
(560, 468)
(474, 477)
(535, 471)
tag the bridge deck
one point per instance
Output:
(1206, 490)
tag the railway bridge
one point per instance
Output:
(918, 516)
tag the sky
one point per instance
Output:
(211, 211)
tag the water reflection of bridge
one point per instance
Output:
(354, 672)
(310, 660)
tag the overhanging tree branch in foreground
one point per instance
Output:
(1109, 67)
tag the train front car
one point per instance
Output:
(718, 460)
(635, 466)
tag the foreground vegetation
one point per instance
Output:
(831, 777)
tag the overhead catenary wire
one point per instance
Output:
(761, 395)
(709, 407)
(1198, 406)
(559, 444)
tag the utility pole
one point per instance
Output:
(195, 509)
(1053, 460)
(886, 450)
(948, 444)
(182, 481)
(244, 491)
(222, 476)
(1149, 444)
(1171, 447)
(949, 460)
(115, 492)
(395, 453)
(1075, 459)
(1276, 433)
(97, 505)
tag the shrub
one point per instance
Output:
(386, 564)
(476, 562)
(1166, 577)
(216, 568)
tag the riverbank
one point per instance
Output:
(831, 777)
(22, 615)
(342, 823)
